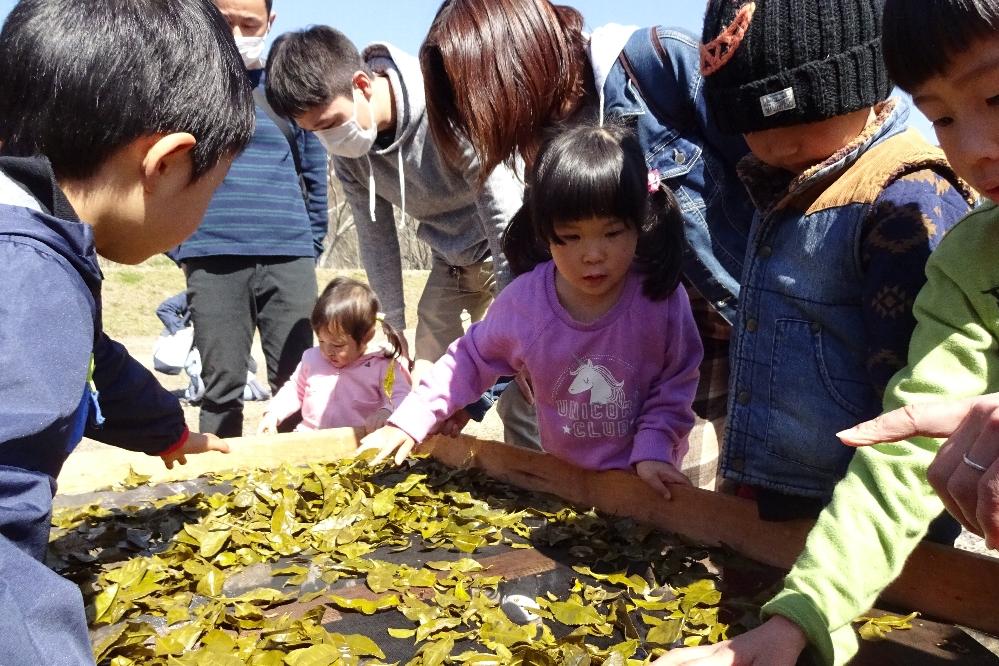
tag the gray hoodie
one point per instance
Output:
(461, 223)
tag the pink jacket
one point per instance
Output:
(331, 397)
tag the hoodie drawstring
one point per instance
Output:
(402, 185)
(372, 197)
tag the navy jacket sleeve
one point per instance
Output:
(174, 313)
(314, 171)
(140, 415)
(46, 329)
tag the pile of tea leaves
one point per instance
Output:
(345, 564)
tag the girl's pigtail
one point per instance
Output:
(400, 349)
(660, 245)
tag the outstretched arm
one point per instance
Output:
(965, 473)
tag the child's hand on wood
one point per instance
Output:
(386, 440)
(268, 425)
(657, 474)
(196, 442)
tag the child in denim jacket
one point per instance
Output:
(944, 53)
(849, 204)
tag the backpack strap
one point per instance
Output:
(288, 130)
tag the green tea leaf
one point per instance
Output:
(878, 628)
(435, 652)
(365, 606)
(316, 655)
(211, 583)
(703, 592)
(574, 614)
(179, 640)
(104, 601)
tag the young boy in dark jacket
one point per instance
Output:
(116, 164)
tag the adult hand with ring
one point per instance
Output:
(965, 472)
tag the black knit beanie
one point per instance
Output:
(776, 63)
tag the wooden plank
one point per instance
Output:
(926, 644)
(705, 517)
(100, 466)
(944, 583)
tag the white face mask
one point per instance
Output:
(252, 50)
(350, 139)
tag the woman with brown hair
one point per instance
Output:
(502, 73)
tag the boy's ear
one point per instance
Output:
(168, 161)
(270, 21)
(362, 82)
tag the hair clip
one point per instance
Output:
(655, 181)
(380, 317)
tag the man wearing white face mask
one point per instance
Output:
(251, 264)
(369, 110)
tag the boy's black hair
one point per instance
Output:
(589, 172)
(82, 79)
(921, 37)
(309, 68)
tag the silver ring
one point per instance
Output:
(973, 465)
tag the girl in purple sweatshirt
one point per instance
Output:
(597, 320)
(340, 383)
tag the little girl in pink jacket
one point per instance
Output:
(340, 383)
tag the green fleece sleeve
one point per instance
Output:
(882, 508)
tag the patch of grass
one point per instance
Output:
(131, 294)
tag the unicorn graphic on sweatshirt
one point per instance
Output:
(603, 387)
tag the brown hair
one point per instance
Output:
(497, 72)
(351, 307)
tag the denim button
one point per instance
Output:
(766, 251)
(752, 325)
(680, 158)
(743, 398)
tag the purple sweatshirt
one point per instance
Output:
(609, 394)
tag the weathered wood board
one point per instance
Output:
(943, 583)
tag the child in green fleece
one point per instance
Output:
(946, 53)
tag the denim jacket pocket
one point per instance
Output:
(675, 156)
(798, 374)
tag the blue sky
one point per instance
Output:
(405, 22)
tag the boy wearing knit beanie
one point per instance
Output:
(850, 204)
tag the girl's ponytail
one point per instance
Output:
(660, 243)
(400, 348)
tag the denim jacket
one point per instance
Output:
(800, 344)
(656, 84)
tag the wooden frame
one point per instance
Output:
(944, 583)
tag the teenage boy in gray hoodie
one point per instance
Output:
(369, 110)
